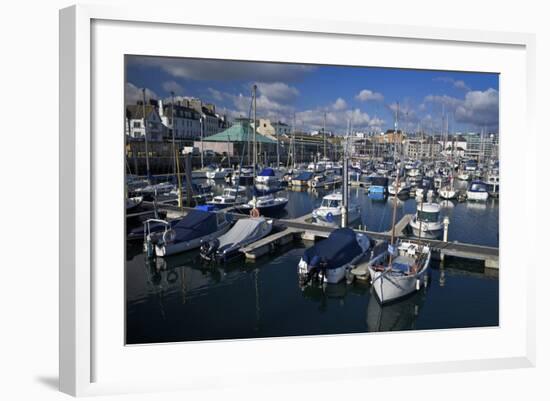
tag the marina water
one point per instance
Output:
(180, 299)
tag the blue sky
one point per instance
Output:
(365, 97)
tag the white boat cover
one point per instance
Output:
(243, 229)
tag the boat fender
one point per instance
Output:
(169, 236)
(255, 212)
(417, 284)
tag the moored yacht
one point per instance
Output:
(329, 260)
(477, 191)
(427, 221)
(219, 173)
(330, 212)
(231, 196)
(187, 233)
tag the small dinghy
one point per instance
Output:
(244, 232)
(330, 259)
(399, 271)
(185, 234)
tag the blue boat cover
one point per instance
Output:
(338, 249)
(194, 225)
(305, 176)
(267, 172)
(205, 208)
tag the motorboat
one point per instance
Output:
(399, 270)
(267, 176)
(327, 178)
(330, 212)
(202, 173)
(302, 179)
(152, 190)
(378, 186)
(404, 189)
(187, 233)
(425, 187)
(219, 173)
(477, 191)
(242, 176)
(330, 259)
(244, 232)
(493, 183)
(231, 196)
(427, 223)
(463, 176)
(266, 204)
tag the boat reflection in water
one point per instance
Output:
(395, 316)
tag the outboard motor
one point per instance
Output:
(208, 249)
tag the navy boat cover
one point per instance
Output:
(196, 224)
(267, 172)
(305, 176)
(338, 249)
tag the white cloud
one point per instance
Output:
(479, 108)
(278, 91)
(367, 94)
(172, 86)
(339, 104)
(132, 94)
(459, 84)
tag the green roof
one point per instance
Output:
(238, 133)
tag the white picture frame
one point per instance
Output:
(82, 344)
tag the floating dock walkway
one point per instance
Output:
(301, 227)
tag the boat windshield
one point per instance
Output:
(478, 187)
(428, 217)
(330, 203)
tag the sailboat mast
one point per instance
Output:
(255, 154)
(396, 183)
(145, 135)
(173, 131)
(325, 135)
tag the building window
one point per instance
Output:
(137, 124)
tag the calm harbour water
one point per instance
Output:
(180, 299)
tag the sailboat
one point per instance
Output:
(401, 268)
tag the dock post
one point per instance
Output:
(445, 235)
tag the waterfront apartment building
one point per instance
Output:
(184, 121)
(422, 148)
(135, 126)
(481, 146)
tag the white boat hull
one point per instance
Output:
(172, 249)
(429, 230)
(389, 288)
(477, 196)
